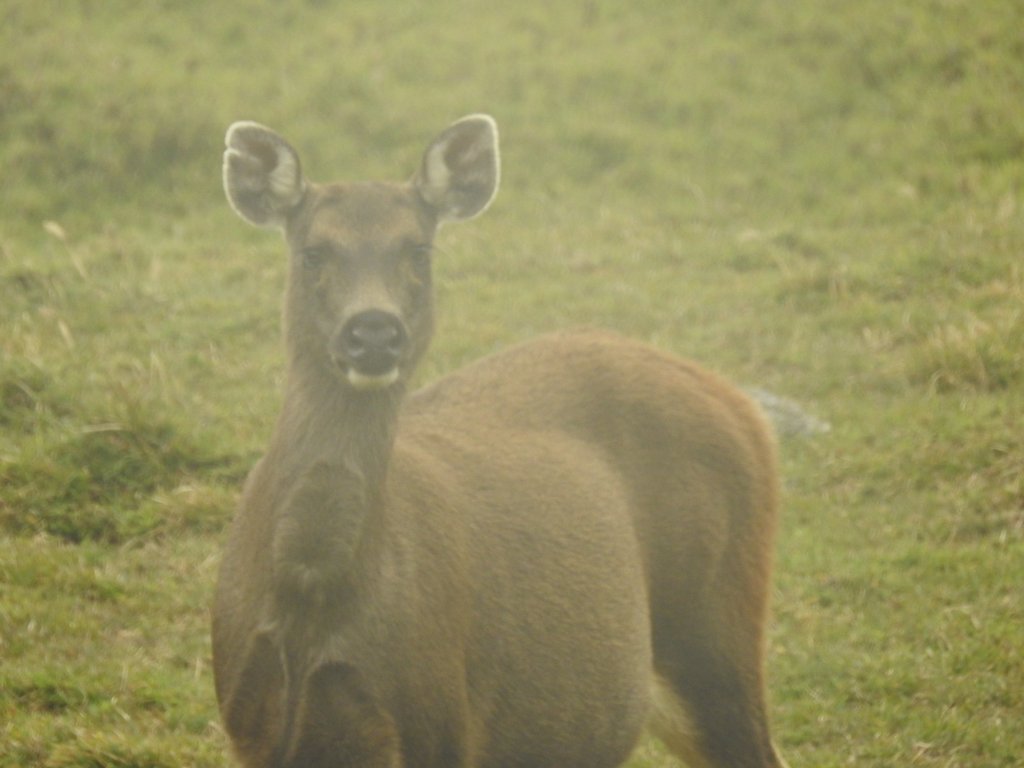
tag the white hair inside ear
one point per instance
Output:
(461, 168)
(262, 174)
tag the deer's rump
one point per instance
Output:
(591, 488)
(528, 566)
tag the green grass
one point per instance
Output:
(824, 202)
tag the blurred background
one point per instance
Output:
(823, 200)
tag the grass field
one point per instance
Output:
(825, 200)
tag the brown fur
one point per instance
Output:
(523, 564)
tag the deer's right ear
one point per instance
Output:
(262, 175)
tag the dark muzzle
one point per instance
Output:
(370, 347)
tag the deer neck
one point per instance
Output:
(324, 421)
(331, 448)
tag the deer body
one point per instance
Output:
(523, 564)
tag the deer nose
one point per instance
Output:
(372, 343)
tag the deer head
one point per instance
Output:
(359, 309)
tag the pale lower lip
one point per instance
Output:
(365, 383)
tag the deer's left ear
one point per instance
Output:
(459, 174)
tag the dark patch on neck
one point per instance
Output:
(319, 529)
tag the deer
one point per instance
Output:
(532, 561)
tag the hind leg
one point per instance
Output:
(710, 711)
(673, 725)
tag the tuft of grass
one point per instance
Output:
(29, 396)
(974, 356)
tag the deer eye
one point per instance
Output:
(314, 256)
(419, 256)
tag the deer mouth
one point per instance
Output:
(368, 382)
